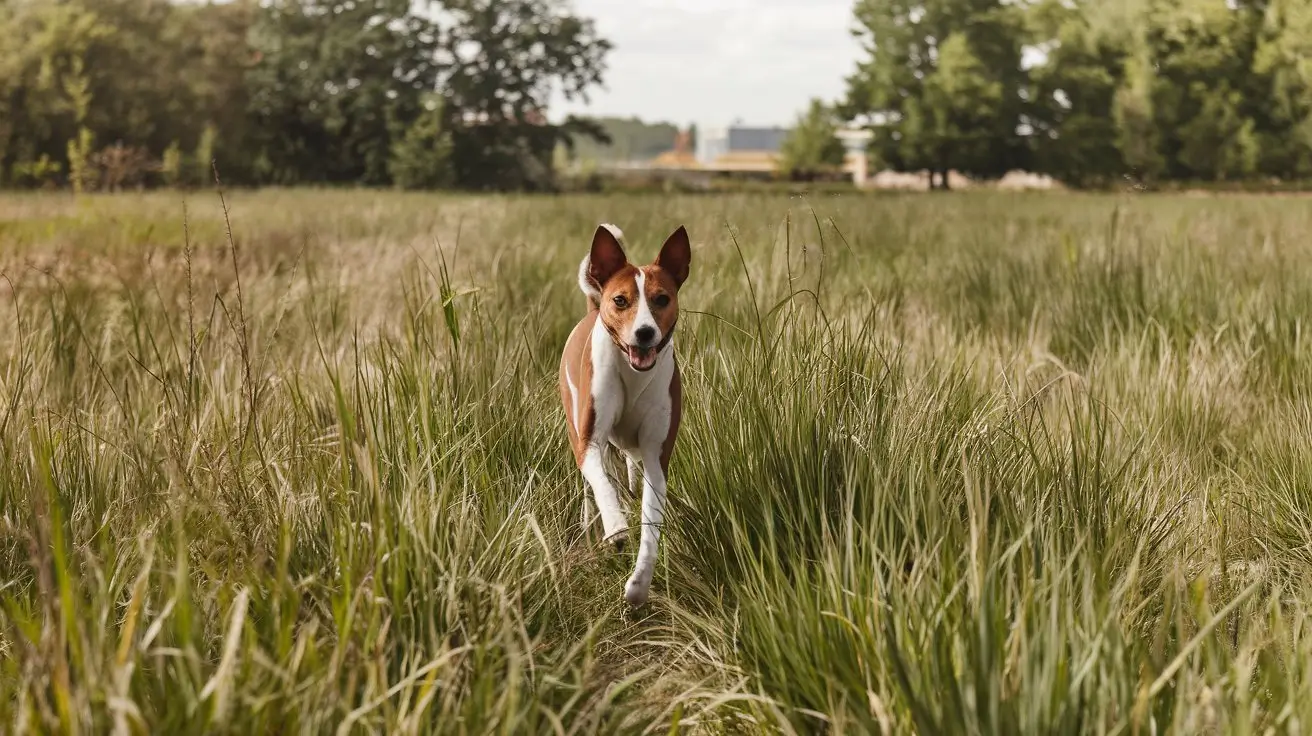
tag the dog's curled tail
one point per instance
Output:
(585, 283)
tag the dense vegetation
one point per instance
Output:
(452, 93)
(1150, 89)
(105, 94)
(627, 139)
(973, 463)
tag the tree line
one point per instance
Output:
(105, 94)
(1088, 91)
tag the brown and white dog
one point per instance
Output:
(620, 384)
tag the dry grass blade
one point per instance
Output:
(1004, 463)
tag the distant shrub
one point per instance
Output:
(41, 173)
(170, 167)
(80, 174)
(121, 167)
(421, 159)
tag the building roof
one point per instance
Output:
(756, 139)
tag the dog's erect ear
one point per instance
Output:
(607, 257)
(676, 256)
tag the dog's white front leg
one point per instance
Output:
(613, 523)
(653, 516)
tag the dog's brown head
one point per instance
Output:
(639, 305)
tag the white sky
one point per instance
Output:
(714, 62)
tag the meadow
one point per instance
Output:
(983, 463)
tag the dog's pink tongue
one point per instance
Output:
(640, 358)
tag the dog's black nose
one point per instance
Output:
(645, 334)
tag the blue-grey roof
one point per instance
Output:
(756, 139)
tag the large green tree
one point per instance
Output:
(942, 83)
(335, 85)
(340, 87)
(1074, 93)
(214, 58)
(1154, 89)
(1283, 63)
(501, 60)
(290, 91)
(1201, 53)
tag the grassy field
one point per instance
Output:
(969, 463)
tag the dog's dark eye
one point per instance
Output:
(621, 302)
(661, 301)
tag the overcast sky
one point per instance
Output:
(713, 62)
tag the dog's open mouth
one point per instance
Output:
(641, 359)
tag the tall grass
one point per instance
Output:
(971, 463)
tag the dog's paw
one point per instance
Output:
(636, 592)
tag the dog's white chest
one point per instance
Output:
(639, 403)
(645, 407)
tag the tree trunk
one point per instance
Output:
(943, 180)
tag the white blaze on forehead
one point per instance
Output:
(644, 317)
